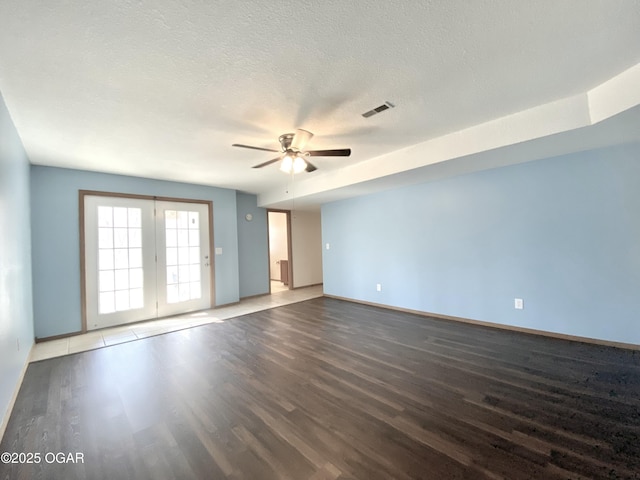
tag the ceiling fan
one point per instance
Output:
(294, 157)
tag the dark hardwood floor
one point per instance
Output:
(327, 389)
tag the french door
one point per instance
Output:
(144, 258)
(182, 247)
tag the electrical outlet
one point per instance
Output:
(327, 246)
(378, 287)
(518, 304)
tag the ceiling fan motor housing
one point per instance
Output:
(285, 141)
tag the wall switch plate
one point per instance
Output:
(327, 246)
(218, 250)
(518, 304)
(378, 287)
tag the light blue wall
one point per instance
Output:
(562, 233)
(16, 314)
(55, 227)
(252, 247)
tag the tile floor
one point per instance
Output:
(136, 331)
(277, 286)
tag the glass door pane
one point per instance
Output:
(120, 272)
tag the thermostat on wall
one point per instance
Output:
(248, 217)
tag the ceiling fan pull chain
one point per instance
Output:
(293, 192)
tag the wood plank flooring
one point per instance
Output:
(327, 389)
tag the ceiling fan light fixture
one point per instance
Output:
(299, 165)
(293, 163)
(287, 164)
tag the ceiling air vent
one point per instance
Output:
(381, 108)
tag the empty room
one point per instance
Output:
(320, 240)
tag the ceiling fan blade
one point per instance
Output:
(254, 148)
(310, 167)
(267, 163)
(341, 152)
(300, 139)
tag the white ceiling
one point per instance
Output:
(162, 88)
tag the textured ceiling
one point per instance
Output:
(162, 88)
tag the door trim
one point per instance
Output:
(83, 274)
(289, 245)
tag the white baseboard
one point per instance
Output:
(14, 397)
(501, 326)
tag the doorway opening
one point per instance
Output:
(280, 259)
